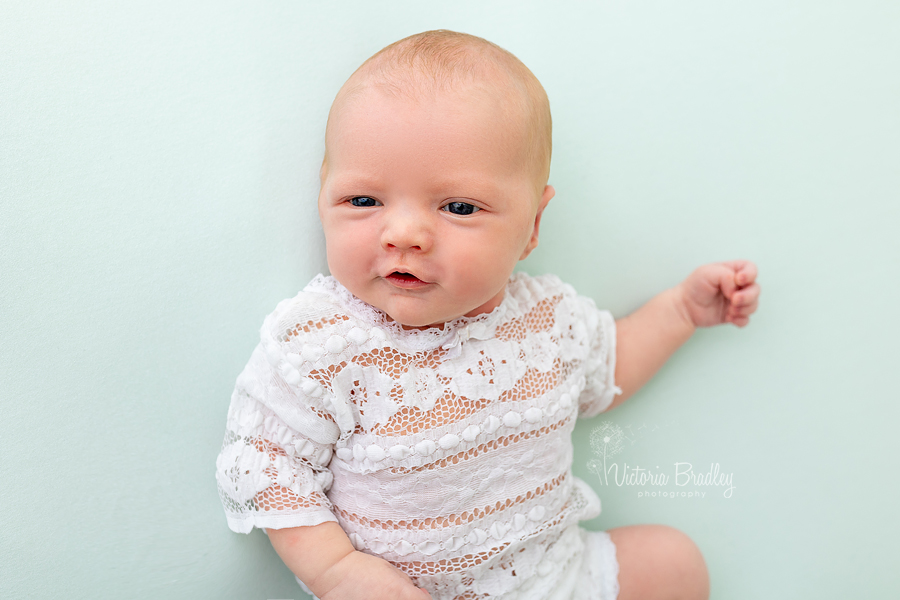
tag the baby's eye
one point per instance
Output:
(461, 208)
(364, 201)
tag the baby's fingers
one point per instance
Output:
(745, 297)
(416, 594)
(740, 315)
(742, 312)
(744, 272)
(738, 321)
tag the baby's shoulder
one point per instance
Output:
(317, 317)
(548, 289)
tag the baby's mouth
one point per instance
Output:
(404, 276)
(405, 280)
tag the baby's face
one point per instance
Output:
(426, 205)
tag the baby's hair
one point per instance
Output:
(438, 61)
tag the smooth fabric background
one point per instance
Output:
(158, 176)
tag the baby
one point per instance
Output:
(403, 429)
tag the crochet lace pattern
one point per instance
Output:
(445, 451)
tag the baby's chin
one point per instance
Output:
(411, 316)
(419, 314)
(412, 312)
(410, 322)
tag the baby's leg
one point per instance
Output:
(657, 562)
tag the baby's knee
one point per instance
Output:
(686, 560)
(662, 562)
(686, 557)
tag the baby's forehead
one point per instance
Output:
(445, 68)
(410, 87)
(502, 110)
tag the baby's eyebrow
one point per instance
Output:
(359, 181)
(463, 186)
(468, 187)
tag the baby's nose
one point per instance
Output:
(406, 231)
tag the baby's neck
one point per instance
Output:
(422, 327)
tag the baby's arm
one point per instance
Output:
(325, 560)
(713, 294)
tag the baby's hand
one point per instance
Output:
(361, 576)
(724, 292)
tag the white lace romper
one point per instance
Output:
(447, 452)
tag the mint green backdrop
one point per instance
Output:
(158, 166)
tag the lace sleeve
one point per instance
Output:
(600, 365)
(272, 470)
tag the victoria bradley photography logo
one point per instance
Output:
(681, 480)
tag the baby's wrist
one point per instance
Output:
(679, 303)
(328, 577)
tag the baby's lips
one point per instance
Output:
(405, 276)
(406, 280)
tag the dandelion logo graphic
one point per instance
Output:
(607, 440)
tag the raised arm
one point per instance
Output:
(713, 294)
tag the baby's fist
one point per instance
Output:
(724, 292)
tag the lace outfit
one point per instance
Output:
(445, 451)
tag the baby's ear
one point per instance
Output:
(546, 196)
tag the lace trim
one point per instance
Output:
(480, 449)
(448, 408)
(451, 520)
(312, 325)
(470, 595)
(609, 566)
(420, 568)
(535, 320)
(600, 568)
(279, 498)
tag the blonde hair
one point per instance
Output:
(438, 61)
